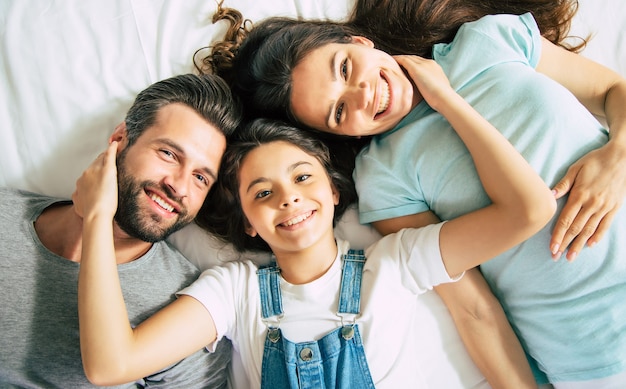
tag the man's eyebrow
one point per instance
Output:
(180, 151)
(333, 68)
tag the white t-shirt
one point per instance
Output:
(401, 350)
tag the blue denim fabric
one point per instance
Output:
(335, 361)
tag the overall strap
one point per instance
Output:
(269, 288)
(350, 293)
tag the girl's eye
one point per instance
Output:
(262, 194)
(344, 69)
(338, 113)
(302, 177)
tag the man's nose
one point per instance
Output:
(178, 182)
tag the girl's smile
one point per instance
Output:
(287, 197)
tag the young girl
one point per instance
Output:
(321, 315)
(327, 77)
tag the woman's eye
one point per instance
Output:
(338, 113)
(302, 177)
(262, 194)
(344, 69)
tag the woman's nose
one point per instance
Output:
(361, 94)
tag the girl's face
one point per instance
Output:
(287, 197)
(351, 89)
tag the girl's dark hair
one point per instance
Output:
(223, 216)
(258, 62)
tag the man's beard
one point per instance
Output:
(138, 223)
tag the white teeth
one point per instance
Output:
(383, 103)
(161, 202)
(296, 220)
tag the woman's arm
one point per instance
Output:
(521, 203)
(112, 351)
(597, 182)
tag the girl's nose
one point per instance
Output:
(290, 199)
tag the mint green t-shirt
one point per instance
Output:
(571, 317)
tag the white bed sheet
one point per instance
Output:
(70, 69)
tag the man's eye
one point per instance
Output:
(338, 113)
(167, 153)
(202, 179)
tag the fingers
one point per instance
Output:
(577, 235)
(110, 153)
(582, 222)
(563, 187)
(97, 185)
(429, 78)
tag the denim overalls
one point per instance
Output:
(335, 361)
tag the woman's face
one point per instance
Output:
(350, 89)
(287, 197)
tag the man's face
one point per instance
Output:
(166, 174)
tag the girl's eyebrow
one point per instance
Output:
(290, 169)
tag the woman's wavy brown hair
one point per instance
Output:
(257, 62)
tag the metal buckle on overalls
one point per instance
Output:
(347, 330)
(273, 333)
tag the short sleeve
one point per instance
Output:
(417, 254)
(498, 39)
(385, 185)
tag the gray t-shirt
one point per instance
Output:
(39, 343)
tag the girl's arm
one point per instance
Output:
(597, 182)
(521, 203)
(112, 351)
(479, 318)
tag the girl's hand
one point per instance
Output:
(428, 77)
(96, 189)
(596, 184)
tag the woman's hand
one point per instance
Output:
(596, 184)
(430, 80)
(96, 189)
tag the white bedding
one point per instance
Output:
(70, 69)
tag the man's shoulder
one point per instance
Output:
(18, 203)
(168, 258)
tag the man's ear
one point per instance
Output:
(120, 134)
(361, 40)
